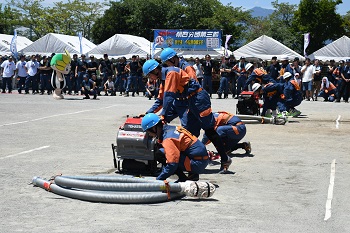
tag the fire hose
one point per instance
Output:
(263, 120)
(109, 189)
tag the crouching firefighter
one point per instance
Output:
(231, 130)
(183, 151)
(272, 93)
(292, 96)
(255, 75)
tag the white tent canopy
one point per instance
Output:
(122, 45)
(265, 48)
(5, 42)
(337, 50)
(57, 43)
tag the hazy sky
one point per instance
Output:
(246, 4)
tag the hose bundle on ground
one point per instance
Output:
(262, 119)
(111, 189)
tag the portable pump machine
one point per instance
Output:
(134, 150)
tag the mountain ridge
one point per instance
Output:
(260, 12)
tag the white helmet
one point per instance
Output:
(256, 87)
(287, 75)
(248, 66)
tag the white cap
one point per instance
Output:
(248, 66)
(255, 87)
(287, 75)
(285, 58)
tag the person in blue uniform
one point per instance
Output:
(122, 75)
(88, 87)
(292, 96)
(272, 93)
(231, 130)
(183, 151)
(255, 75)
(285, 67)
(224, 72)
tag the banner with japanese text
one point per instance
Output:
(187, 39)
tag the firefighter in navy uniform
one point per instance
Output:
(285, 67)
(183, 151)
(132, 83)
(292, 96)
(122, 75)
(224, 72)
(274, 69)
(345, 83)
(232, 75)
(272, 93)
(231, 130)
(241, 74)
(255, 75)
(177, 84)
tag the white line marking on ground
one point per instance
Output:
(57, 115)
(330, 192)
(337, 122)
(25, 152)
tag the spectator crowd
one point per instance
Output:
(224, 77)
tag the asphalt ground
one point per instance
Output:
(281, 187)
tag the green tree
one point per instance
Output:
(31, 15)
(66, 18)
(256, 27)
(113, 21)
(76, 16)
(319, 18)
(140, 17)
(8, 19)
(277, 25)
(281, 21)
(136, 17)
(346, 19)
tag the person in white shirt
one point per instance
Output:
(32, 71)
(21, 73)
(199, 70)
(109, 87)
(308, 76)
(316, 84)
(8, 69)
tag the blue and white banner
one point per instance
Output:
(153, 51)
(306, 42)
(187, 39)
(13, 45)
(80, 40)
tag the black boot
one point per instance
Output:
(181, 175)
(193, 176)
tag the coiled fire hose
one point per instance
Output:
(111, 189)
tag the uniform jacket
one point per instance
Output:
(177, 140)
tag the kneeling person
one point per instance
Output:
(328, 90)
(231, 130)
(88, 87)
(183, 151)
